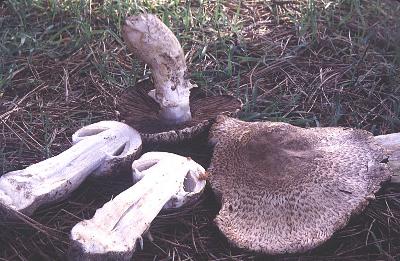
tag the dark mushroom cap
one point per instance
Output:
(140, 111)
(286, 189)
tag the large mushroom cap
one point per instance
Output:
(166, 109)
(286, 189)
(140, 111)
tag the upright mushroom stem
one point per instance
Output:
(154, 43)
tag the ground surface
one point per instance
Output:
(63, 65)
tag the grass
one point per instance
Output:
(63, 65)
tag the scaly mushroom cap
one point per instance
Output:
(166, 109)
(286, 189)
(140, 111)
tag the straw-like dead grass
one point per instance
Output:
(63, 65)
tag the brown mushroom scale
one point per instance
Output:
(287, 189)
(141, 112)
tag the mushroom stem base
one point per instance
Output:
(96, 151)
(391, 142)
(115, 229)
(176, 115)
(173, 115)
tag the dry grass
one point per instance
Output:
(310, 63)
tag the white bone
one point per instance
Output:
(116, 228)
(99, 148)
(391, 142)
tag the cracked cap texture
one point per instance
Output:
(286, 189)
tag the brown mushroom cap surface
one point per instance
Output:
(286, 189)
(140, 111)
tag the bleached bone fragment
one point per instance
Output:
(114, 230)
(100, 148)
(391, 142)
